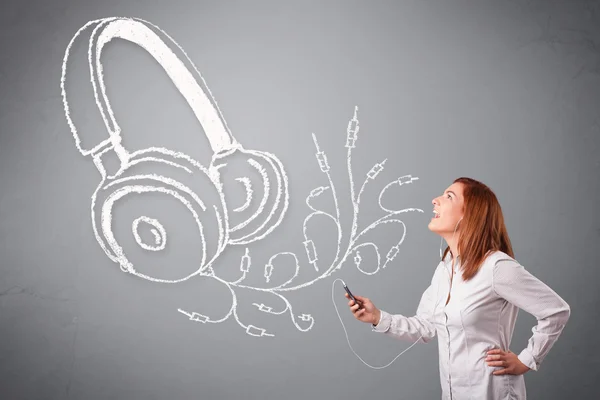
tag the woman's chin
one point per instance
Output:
(433, 227)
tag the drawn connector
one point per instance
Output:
(357, 258)
(377, 168)
(321, 156)
(305, 317)
(262, 307)
(392, 253)
(198, 317)
(322, 159)
(311, 253)
(245, 262)
(268, 271)
(406, 179)
(317, 191)
(256, 331)
(352, 130)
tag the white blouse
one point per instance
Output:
(480, 316)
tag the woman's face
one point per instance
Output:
(448, 210)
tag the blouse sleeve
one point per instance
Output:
(516, 285)
(419, 326)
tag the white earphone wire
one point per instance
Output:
(348, 339)
(416, 341)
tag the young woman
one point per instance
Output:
(473, 301)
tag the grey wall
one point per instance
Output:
(506, 92)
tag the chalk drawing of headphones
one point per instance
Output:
(200, 188)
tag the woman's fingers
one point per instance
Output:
(352, 302)
(495, 359)
(497, 363)
(359, 299)
(501, 371)
(357, 307)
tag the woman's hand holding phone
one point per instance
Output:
(363, 309)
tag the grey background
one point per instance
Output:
(506, 92)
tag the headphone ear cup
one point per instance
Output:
(255, 187)
(160, 193)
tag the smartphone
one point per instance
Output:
(352, 296)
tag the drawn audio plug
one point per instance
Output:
(245, 262)
(264, 308)
(256, 331)
(194, 316)
(406, 179)
(357, 259)
(377, 168)
(268, 271)
(392, 253)
(311, 253)
(321, 156)
(317, 191)
(352, 131)
(202, 189)
(306, 317)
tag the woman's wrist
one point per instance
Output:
(376, 317)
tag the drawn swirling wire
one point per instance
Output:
(353, 246)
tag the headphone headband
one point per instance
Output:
(193, 88)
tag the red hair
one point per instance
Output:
(482, 227)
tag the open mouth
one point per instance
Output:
(436, 214)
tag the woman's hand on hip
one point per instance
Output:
(365, 310)
(507, 360)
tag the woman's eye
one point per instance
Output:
(450, 197)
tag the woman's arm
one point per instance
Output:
(412, 328)
(516, 285)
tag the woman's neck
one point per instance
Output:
(453, 244)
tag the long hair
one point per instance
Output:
(482, 227)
